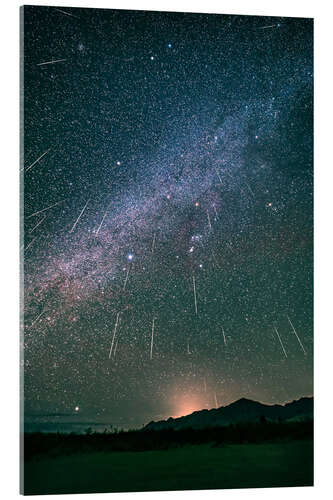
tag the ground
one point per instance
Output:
(190, 467)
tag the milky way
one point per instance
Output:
(167, 212)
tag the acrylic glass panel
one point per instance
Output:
(167, 251)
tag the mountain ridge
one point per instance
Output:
(241, 410)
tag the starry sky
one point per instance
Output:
(167, 182)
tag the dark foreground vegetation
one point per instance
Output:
(262, 454)
(65, 444)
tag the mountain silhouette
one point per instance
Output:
(242, 410)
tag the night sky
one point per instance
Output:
(168, 212)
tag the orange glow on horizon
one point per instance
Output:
(187, 404)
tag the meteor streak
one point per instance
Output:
(152, 339)
(34, 321)
(37, 224)
(299, 340)
(54, 61)
(195, 295)
(77, 220)
(99, 227)
(277, 333)
(31, 242)
(248, 185)
(224, 339)
(67, 13)
(209, 223)
(36, 161)
(115, 349)
(266, 27)
(128, 271)
(44, 209)
(218, 175)
(153, 244)
(114, 334)
(215, 260)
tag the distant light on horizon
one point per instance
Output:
(188, 403)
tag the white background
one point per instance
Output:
(9, 234)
